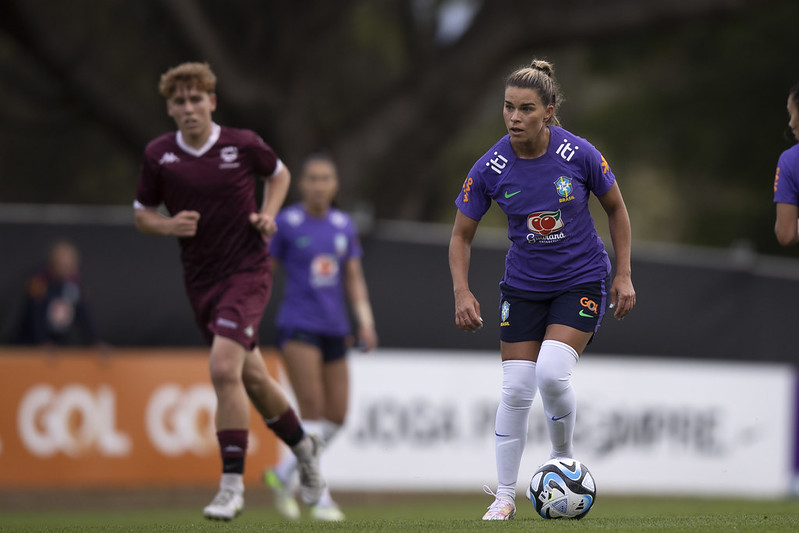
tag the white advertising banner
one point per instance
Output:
(423, 420)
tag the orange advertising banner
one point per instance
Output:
(76, 418)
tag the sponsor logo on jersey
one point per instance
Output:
(295, 217)
(545, 226)
(467, 188)
(498, 163)
(338, 219)
(564, 188)
(324, 270)
(776, 179)
(604, 164)
(566, 150)
(167, 158)
(229, 154)
(509, 194)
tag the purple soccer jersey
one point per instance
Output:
(554, 243)
(314, 252)
(786, 181)
(218, 181)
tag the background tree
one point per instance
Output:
(685, 98)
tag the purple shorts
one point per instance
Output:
(233, 307)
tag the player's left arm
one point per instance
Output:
(622, 293)
(786, 228)
(358, 295)
(275, 191)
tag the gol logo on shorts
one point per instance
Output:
(589, 304)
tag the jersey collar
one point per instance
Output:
(215, 131)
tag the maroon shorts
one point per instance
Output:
(233, 307)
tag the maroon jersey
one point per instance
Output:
(217, 181)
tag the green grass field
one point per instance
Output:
(416, 513)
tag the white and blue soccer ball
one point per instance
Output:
(562, 488)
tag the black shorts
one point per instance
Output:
(525, 315)
(333, 347)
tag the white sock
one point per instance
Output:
(556, 361)
(329, 431)
(510, 429)
(234, 482)
(326, 431)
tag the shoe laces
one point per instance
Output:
(223, 497)
(500, 500)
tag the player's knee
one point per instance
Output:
(553, 378)
(518, 396)
(224, 371)
(552, 383)
(518, 384)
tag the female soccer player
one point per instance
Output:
(318, 247)
(205, 175)
(553, 293)
(786, 182)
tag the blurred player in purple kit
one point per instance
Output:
(317, 245)
(553, 293)
(205, 176)
(786, 182)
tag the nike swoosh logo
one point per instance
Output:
(556, 418)
(498, 435)
(586, 315)
(511, 194)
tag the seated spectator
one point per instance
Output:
(55, 310)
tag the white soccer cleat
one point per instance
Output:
(311, 481)
(226, 505)
(503, 507)
(327, 513)
(282, 496)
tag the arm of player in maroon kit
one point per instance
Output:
(277, 187)
(151, 222)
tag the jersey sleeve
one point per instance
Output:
(473, 200)
(148, 192)
(265, 160)
(786, 190)
(600, 177)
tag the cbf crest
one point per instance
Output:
(505, 313)
(564, 188)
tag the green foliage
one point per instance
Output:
(702, 108)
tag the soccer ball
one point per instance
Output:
(562, 488)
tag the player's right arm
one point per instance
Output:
(151, 222)
(467, 308)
